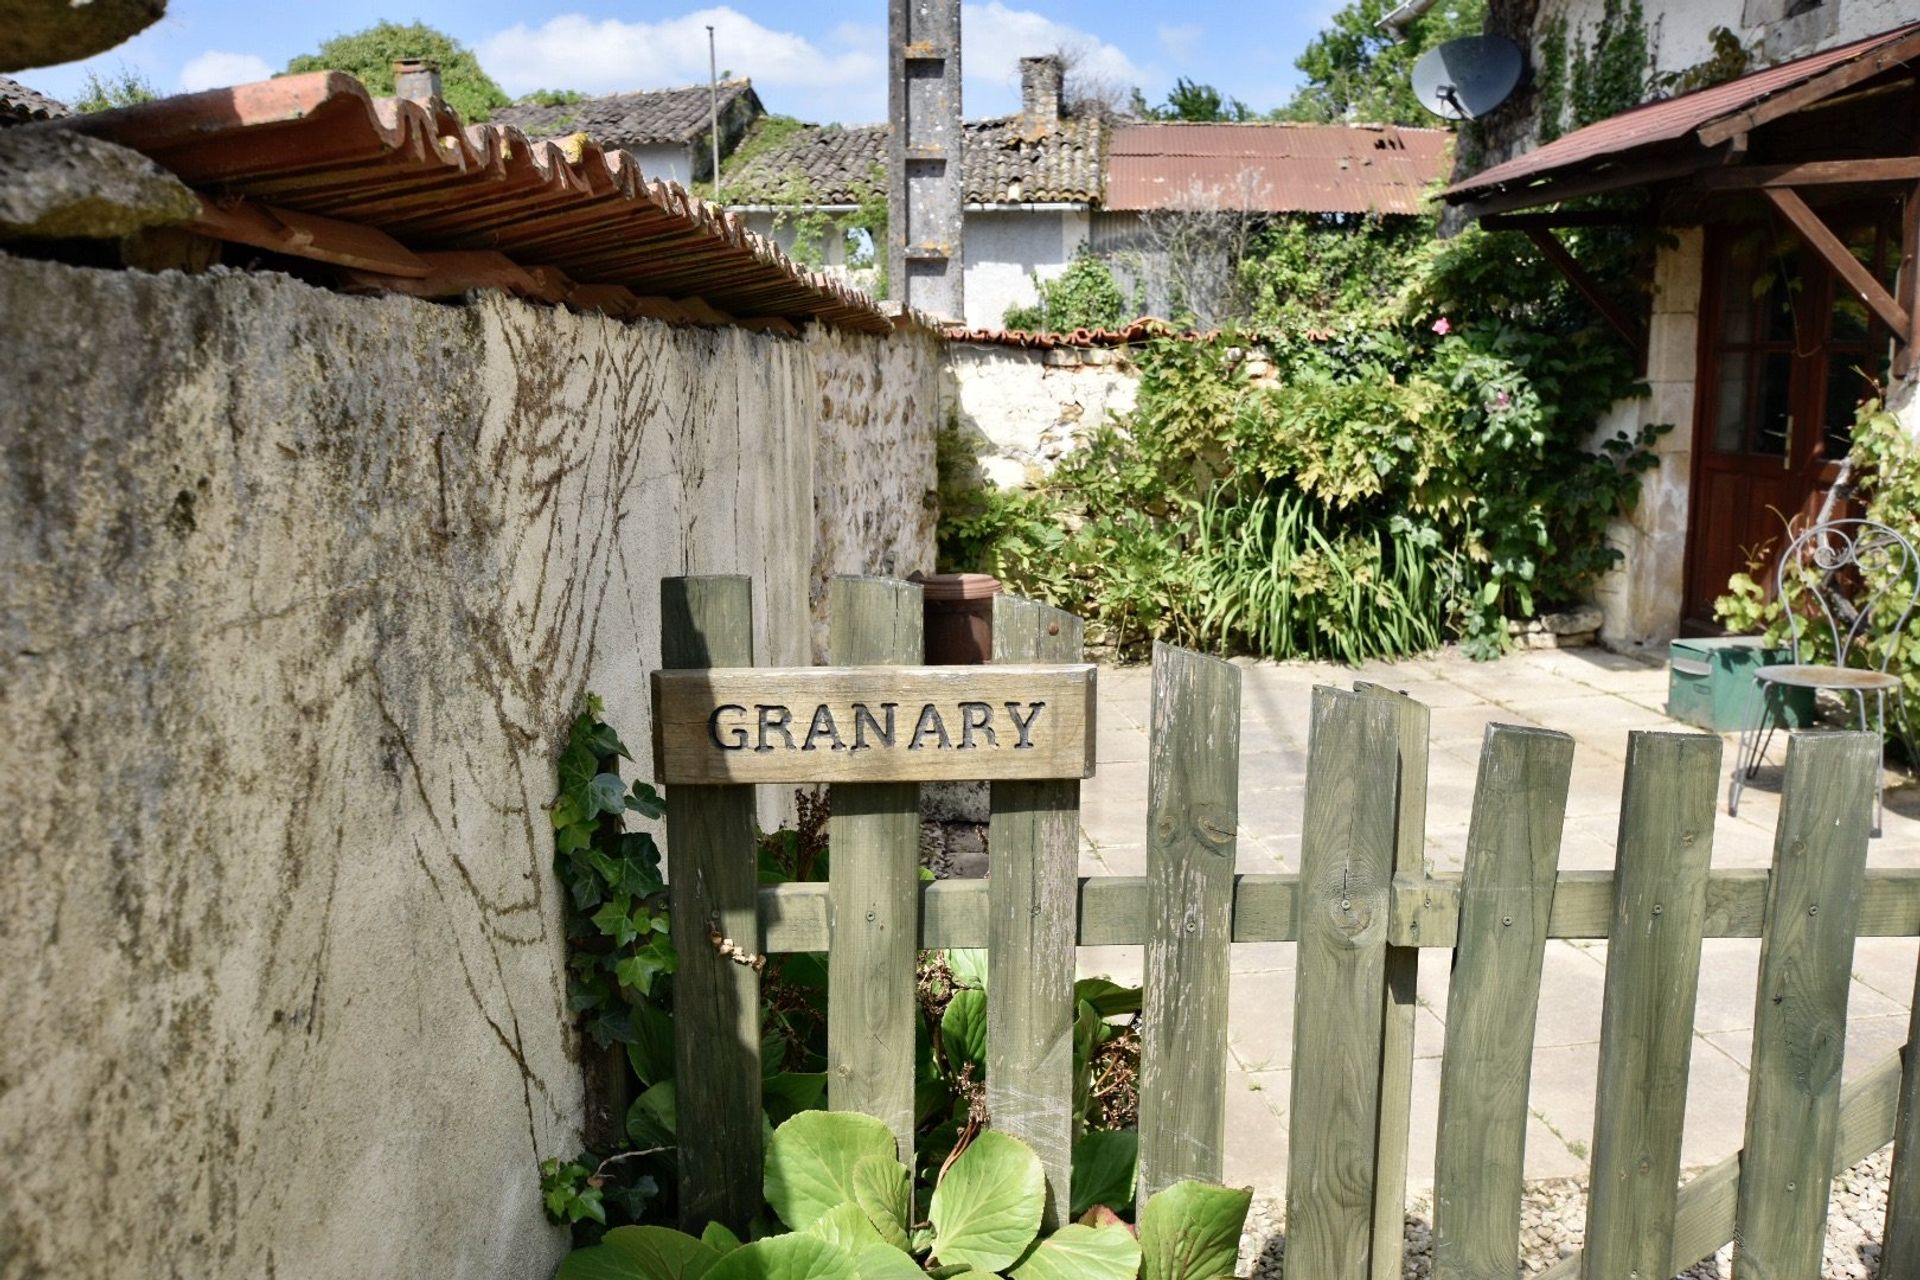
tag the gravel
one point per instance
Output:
(1553, 1216)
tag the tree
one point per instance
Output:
(123, 88)
(1356, 71)
(1190, 101)
(370, 55)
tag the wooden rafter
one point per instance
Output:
(1842, 77)
(1909, 278)
(1820, 238)
(1625, 325)
(1811, 173)
(1618, 176)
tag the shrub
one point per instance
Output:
(1084, 296)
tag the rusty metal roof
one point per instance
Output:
(404, 197)
(1678, 119)
(1274, 168)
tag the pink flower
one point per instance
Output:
(1442, 326)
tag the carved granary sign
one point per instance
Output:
(872, 724)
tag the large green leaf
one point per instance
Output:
(1082, 1253)
(790, 1257)
(811, 1158)
(884, 1262)
(651, 1049)
(883, 1188)
(968, 966)
(986, 1211)
(640, 1253)
(719, 1238)
(1191, 1231)
(654, 1117)
(787, 1093)
(1105, 1165)
(847, 1226)
(1108, 998)
(963, 1030)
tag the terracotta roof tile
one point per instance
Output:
(18, 104)
(561, 215)
(645, 118)
(1006, 162)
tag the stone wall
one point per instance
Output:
(1019, 408)
(299, 593)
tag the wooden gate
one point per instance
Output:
(1359, 910)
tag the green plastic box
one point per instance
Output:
(1708, 681)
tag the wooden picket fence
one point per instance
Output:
(1360, 909)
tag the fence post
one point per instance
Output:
(1346, 870)
(1401, 1007)
(1646, 1024)
(1193, 812)
(708, 622)
(1800, 1007)
(1900, 1255)
(1506, 902)
(874, 883)
(1033, 846)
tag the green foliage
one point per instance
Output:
(1419, 473)
(1309, 271)
(123, 88)
(1084, 296)
(371, 53)
(1355, 70)
(1584, 80)
(1886, 477)
(550, 98)
(1189, 100)
(984, 1219)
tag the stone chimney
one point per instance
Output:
(416, 79)
(1040, 85)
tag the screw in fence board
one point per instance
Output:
(1193, 814)
(1506, 902)
(1800, 1007)
(1401, 1006)
(1346, 870)
(712, 881)
(1900, 1254)
(1646, 1021)
(874, 876)
(1033, 851)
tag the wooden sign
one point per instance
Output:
(872, 724)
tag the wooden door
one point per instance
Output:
(1787, 353)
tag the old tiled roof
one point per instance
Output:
(646, 118)
(399, 197)
(1274, 168)
(1656, 129)
(1007, 161)
(19, 103)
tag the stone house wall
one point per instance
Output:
(299, 593)
(1019, 408)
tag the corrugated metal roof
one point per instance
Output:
(1274, 168)
(575, 220)
(1675, 119)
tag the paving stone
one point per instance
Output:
(1715, 1124)
(1260, 1019)
(1572, 984)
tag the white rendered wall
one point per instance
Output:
(1004, 250)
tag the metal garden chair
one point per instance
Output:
(1844, 556)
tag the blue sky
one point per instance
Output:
(819, 61)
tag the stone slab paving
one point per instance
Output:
(1596, 696)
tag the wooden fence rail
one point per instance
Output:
(1360, 910)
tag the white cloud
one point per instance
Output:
(842, 79)
(993, 39)
(1180, 42)
(216, 69)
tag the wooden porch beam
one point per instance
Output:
(1845, 76)
(1908, 282)
(1624, 173)
(1820, 238)
(1549, 244)
(1811, 173)
(1570, 218)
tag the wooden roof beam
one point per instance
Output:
(1820, 238)
(1811, 173)
(1842, 77)
(1629, 329)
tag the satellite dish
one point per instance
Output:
(1466, 78)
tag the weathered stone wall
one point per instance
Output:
(1019, 409)
(299, 592)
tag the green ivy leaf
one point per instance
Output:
(986, 1211)
(811, 1158)
(607, 793)
(1191, 1231)
(645, 801)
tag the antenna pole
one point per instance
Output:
(713, 111)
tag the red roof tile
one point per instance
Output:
(1676, 118)
(1275, 168)
(565, 214)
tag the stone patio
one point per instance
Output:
(1596, 696)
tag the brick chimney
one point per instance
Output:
(416, 79)
(1040, 86)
